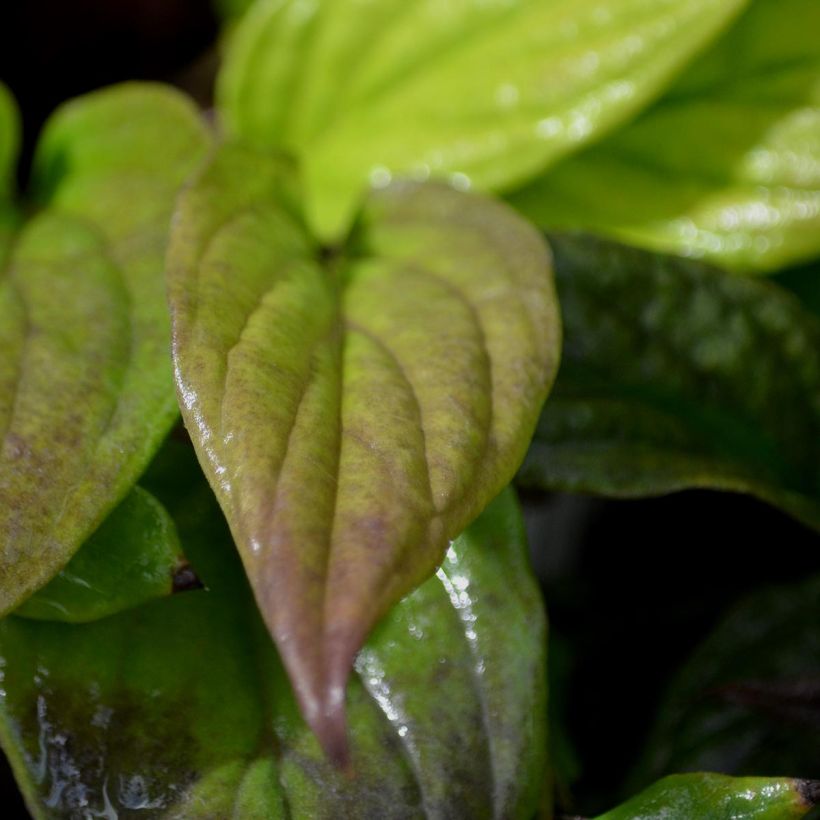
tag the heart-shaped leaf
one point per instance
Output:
(355, 414)
(725, 166)
(678, 375)
(492, 92)
(714, 796)
(748, 700)
(86, 393)
(133, 557)
(181, 708)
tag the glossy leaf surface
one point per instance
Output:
(726, 166)
(133, 557)
(715, 797)
(492, 92)
(353, 415)
(181, 708)
(678, 375)
(86, 391)
(748, 699)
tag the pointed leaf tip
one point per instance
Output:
(184, 578)
(353, 414)
(810, 791)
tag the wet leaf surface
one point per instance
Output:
(726, 165)
(490, 92)
(181, 708)
(86, 393)
(355, 413)
(714, 797)
(677, 375)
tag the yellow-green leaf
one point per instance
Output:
(9, 142)
(492, 92)
(354, 413)
(86, 390)
(726, 166)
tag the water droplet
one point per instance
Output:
(461, 182)
(549, 127)
(507, 95)
(380, 177)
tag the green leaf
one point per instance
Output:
(715, 797)
(747, 700)
(678, 375)
(133, 557)
(491, 92)
(181, 708)
(726, 166)
(9, 142)
(86, 392)
(355, 414)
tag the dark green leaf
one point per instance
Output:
(86, 393)
(133, 557)
(181, 708)
(678, 375)
(353, 415)
(725, 166)
(748, 700)
(490, 91)
(715, 797)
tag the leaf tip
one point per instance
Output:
(184, 579)
(329, 725)
(809, 790)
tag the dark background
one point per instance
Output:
(632, 587)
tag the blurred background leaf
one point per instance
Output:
(725, 166)
(677, 375)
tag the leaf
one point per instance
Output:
(86, 392)
(133, 557)
(9, 142)
(727, 164)
(676, 375)
(356, 414)
(748, 699)
(714, 797)
(181, 708)
(492, 92)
